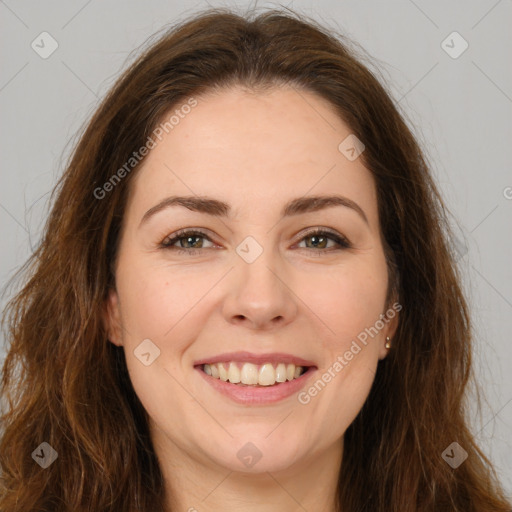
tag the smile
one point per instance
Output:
(255, 379)
(250, 374)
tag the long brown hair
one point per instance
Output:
(62, 381)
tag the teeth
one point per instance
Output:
(267, 375)
(281, 373)
(223, 374)
(233, 373)
(251, 374)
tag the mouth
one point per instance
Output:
(250, 374)
(256, 379)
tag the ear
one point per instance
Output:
(112, 318)
(392, 314)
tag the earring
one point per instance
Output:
(388, 345)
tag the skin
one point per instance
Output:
(255, 151)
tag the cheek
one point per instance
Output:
(156, 299)
(155, 305)
(351, 304)
(349, 308)
(348, 300)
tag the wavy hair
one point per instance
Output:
(62, 381)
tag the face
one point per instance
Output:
(253, 286)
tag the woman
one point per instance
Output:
(309, 350)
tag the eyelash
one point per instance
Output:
(169, 242)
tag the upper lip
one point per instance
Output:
(259, 359)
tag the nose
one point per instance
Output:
(259, 296)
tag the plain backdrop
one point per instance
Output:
(457, 102)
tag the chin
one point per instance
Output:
(256, 453)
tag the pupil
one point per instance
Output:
(188, 239)
(315, 237)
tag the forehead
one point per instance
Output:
(253, 150)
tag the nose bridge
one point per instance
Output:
(259, 293)
(257, 264)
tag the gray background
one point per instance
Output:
(460, 109)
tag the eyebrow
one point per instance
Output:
(214, 207)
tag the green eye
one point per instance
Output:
(321, 236)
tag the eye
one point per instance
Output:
(320, 237)
(192, 237)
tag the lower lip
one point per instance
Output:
(254, 395)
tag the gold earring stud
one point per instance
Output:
(388, 344)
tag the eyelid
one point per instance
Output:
(343, 243)
(182, 233)
(325, 231)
